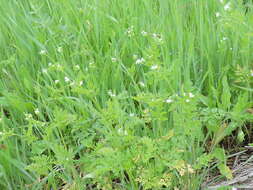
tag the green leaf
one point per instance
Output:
(225, 171)
(219, 153)
(226, 95)
(240, 136)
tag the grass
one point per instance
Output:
(122, 94)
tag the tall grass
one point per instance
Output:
(134, 94)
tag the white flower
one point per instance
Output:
(157, 37)
(114, 59)
(154, 67)
(168, 100)
(77, 67)
(56, 81)
(144, 33)
(140, 61)
(110, 93)
(81, 83)
(58, 66)
(227, 6)
(66, 79)
(187, 100)
(191, 95)
(154, 35)
(131, 114)
(36, 111)
(59, 49)
(130, 31)
(217, 14)
(28, 116)
(43, 52)
(44, 70)
(141, 84)
(1, 133)
(122, 132)
(50, 64)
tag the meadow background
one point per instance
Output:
(123, 94)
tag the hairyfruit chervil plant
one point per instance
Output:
(121, 94)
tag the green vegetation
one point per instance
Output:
(130, 94)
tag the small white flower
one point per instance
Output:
(144, 33)
(66, 79)
(44, 70)
(28, 116)
(36, 111)
(140, 61)
(122, 132)
(60, 49)
(168, 100)
(131, 114)
(191, 95)
(154, 67)
(50, 64)
(58, 66)
(217, 14)
(130, 31)
(187, 100)
(56, 81)
(157, 37)
(141, 84)
(1, 133)
(77, 67)
(114, 59)
(81, 83)
(110, 93)
(227, 6)
(154, 35)
(43, 52)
